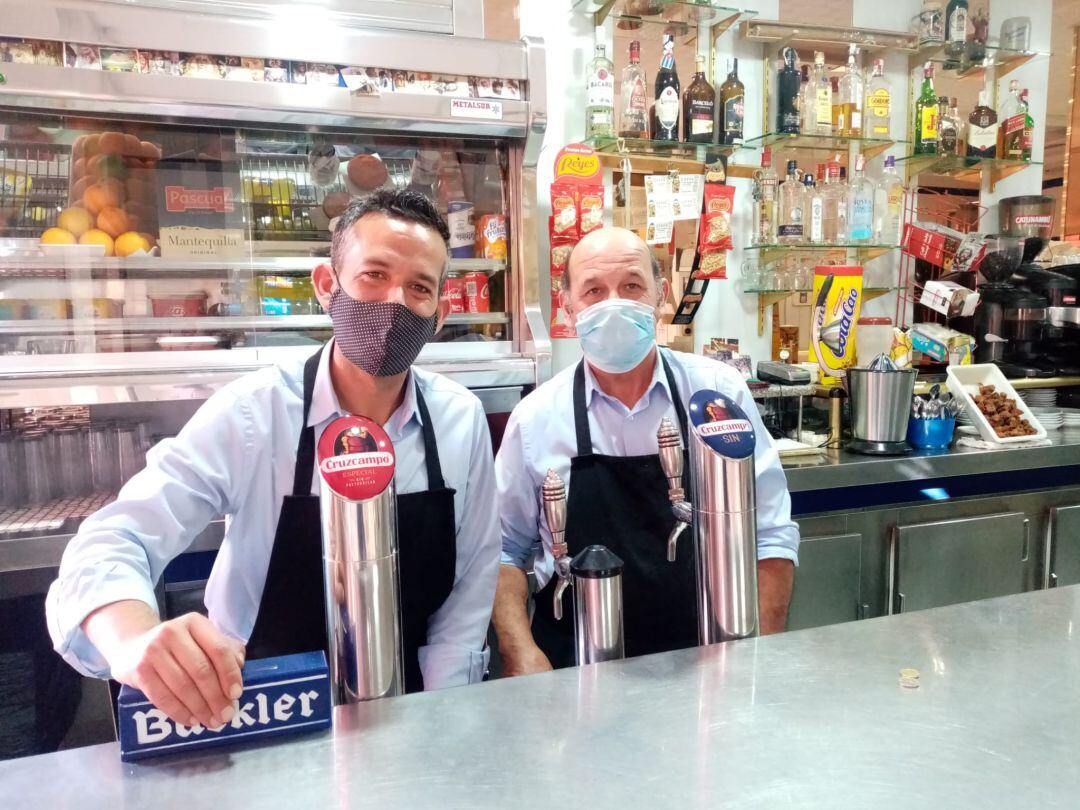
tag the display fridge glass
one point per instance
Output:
(134, 237)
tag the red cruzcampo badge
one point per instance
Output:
(356, 458)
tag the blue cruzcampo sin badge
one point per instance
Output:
(721, 424)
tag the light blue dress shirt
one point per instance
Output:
(540, 436)
(236, 457)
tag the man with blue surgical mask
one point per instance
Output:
(595, 424)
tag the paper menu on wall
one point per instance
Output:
(669, 198)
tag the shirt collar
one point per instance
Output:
(659, 379)
(324, 399)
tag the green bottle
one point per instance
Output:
(926, 115)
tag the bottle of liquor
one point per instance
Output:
(834, 201)
(815, 212)
(888, 205)
(808, 103)
(765, 202)
(1029, 128)
(879, 103)
(665, 118)
(926, 112)
(837, 109)
(1011, 132)
(732, 106)
(823, 97)
(699, 107)
(956, 28)
(600, 97)
(982, 130)
(978, 34)
(961, 127)
(861, 209)
(788, 86)
(948, 130)
(792, 205)
(843, 204)
(634, 122)
(851, 97)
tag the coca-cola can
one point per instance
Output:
(454, 291)
(477, 296)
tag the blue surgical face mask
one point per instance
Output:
(617, 334)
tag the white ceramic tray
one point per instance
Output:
(964, 382)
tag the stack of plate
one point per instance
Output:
(1049, 418)
(1071, 418)
(1039, 397)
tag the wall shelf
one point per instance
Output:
(766, 298)
(962, 168)
(678, 17)
(863, 252)
(869, 147)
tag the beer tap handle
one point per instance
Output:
(553, 494)
(669, 443)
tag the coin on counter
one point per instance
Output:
(909, 678)
(909, 673)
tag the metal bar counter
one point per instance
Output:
(809, 719)
(845, 469)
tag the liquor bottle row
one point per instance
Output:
(850, 105)
(939, 129)
(692, 115)
(827, 209)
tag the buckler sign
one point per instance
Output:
(284, 695)
(179, 199)
(721, 424)
(356, 458)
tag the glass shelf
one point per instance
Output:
(828, 143)
(1003, 60)
(864, 251)
(823, 36)
(680, 17)
(962, 168)
(868, 292)
(644, 147)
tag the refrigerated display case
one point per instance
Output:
(170, 172)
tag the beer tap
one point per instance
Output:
(671, 459)
(554, 496)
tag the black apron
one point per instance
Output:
(292, 613)
(622, 503)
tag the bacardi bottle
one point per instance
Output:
(600, 97)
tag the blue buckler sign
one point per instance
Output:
(722, 424)
(283, 695)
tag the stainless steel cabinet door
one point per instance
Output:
(1065, 565)
(827, 581)
(962, 560)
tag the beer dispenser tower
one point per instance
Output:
(596, 577)
(360, 560)
(723, 512)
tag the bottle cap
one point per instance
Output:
(792, 165)
(808, 180)
(766, 157)
(890, 162)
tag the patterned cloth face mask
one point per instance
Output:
(381, 337)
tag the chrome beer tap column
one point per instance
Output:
(553, 493)
(596, 576)
(360, 560)
(670, 445)
(725, 517)
(598, 605)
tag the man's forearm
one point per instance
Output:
(510, 614)
(111, 625)
(775, 577)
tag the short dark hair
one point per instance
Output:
(657, 270)
(411, 206)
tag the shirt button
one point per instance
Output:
(630, 418)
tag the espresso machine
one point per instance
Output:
(360, 560)
(1053, 344)
(722, 511)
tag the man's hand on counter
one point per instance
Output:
(775, 577)
(185, 666)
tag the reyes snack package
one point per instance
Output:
(837, 301)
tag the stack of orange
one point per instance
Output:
(112, 195)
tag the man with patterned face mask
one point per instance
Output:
(595, 425)
(248, 453)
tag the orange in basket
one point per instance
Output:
(113, 221)
(96, 237)
(104, 194)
